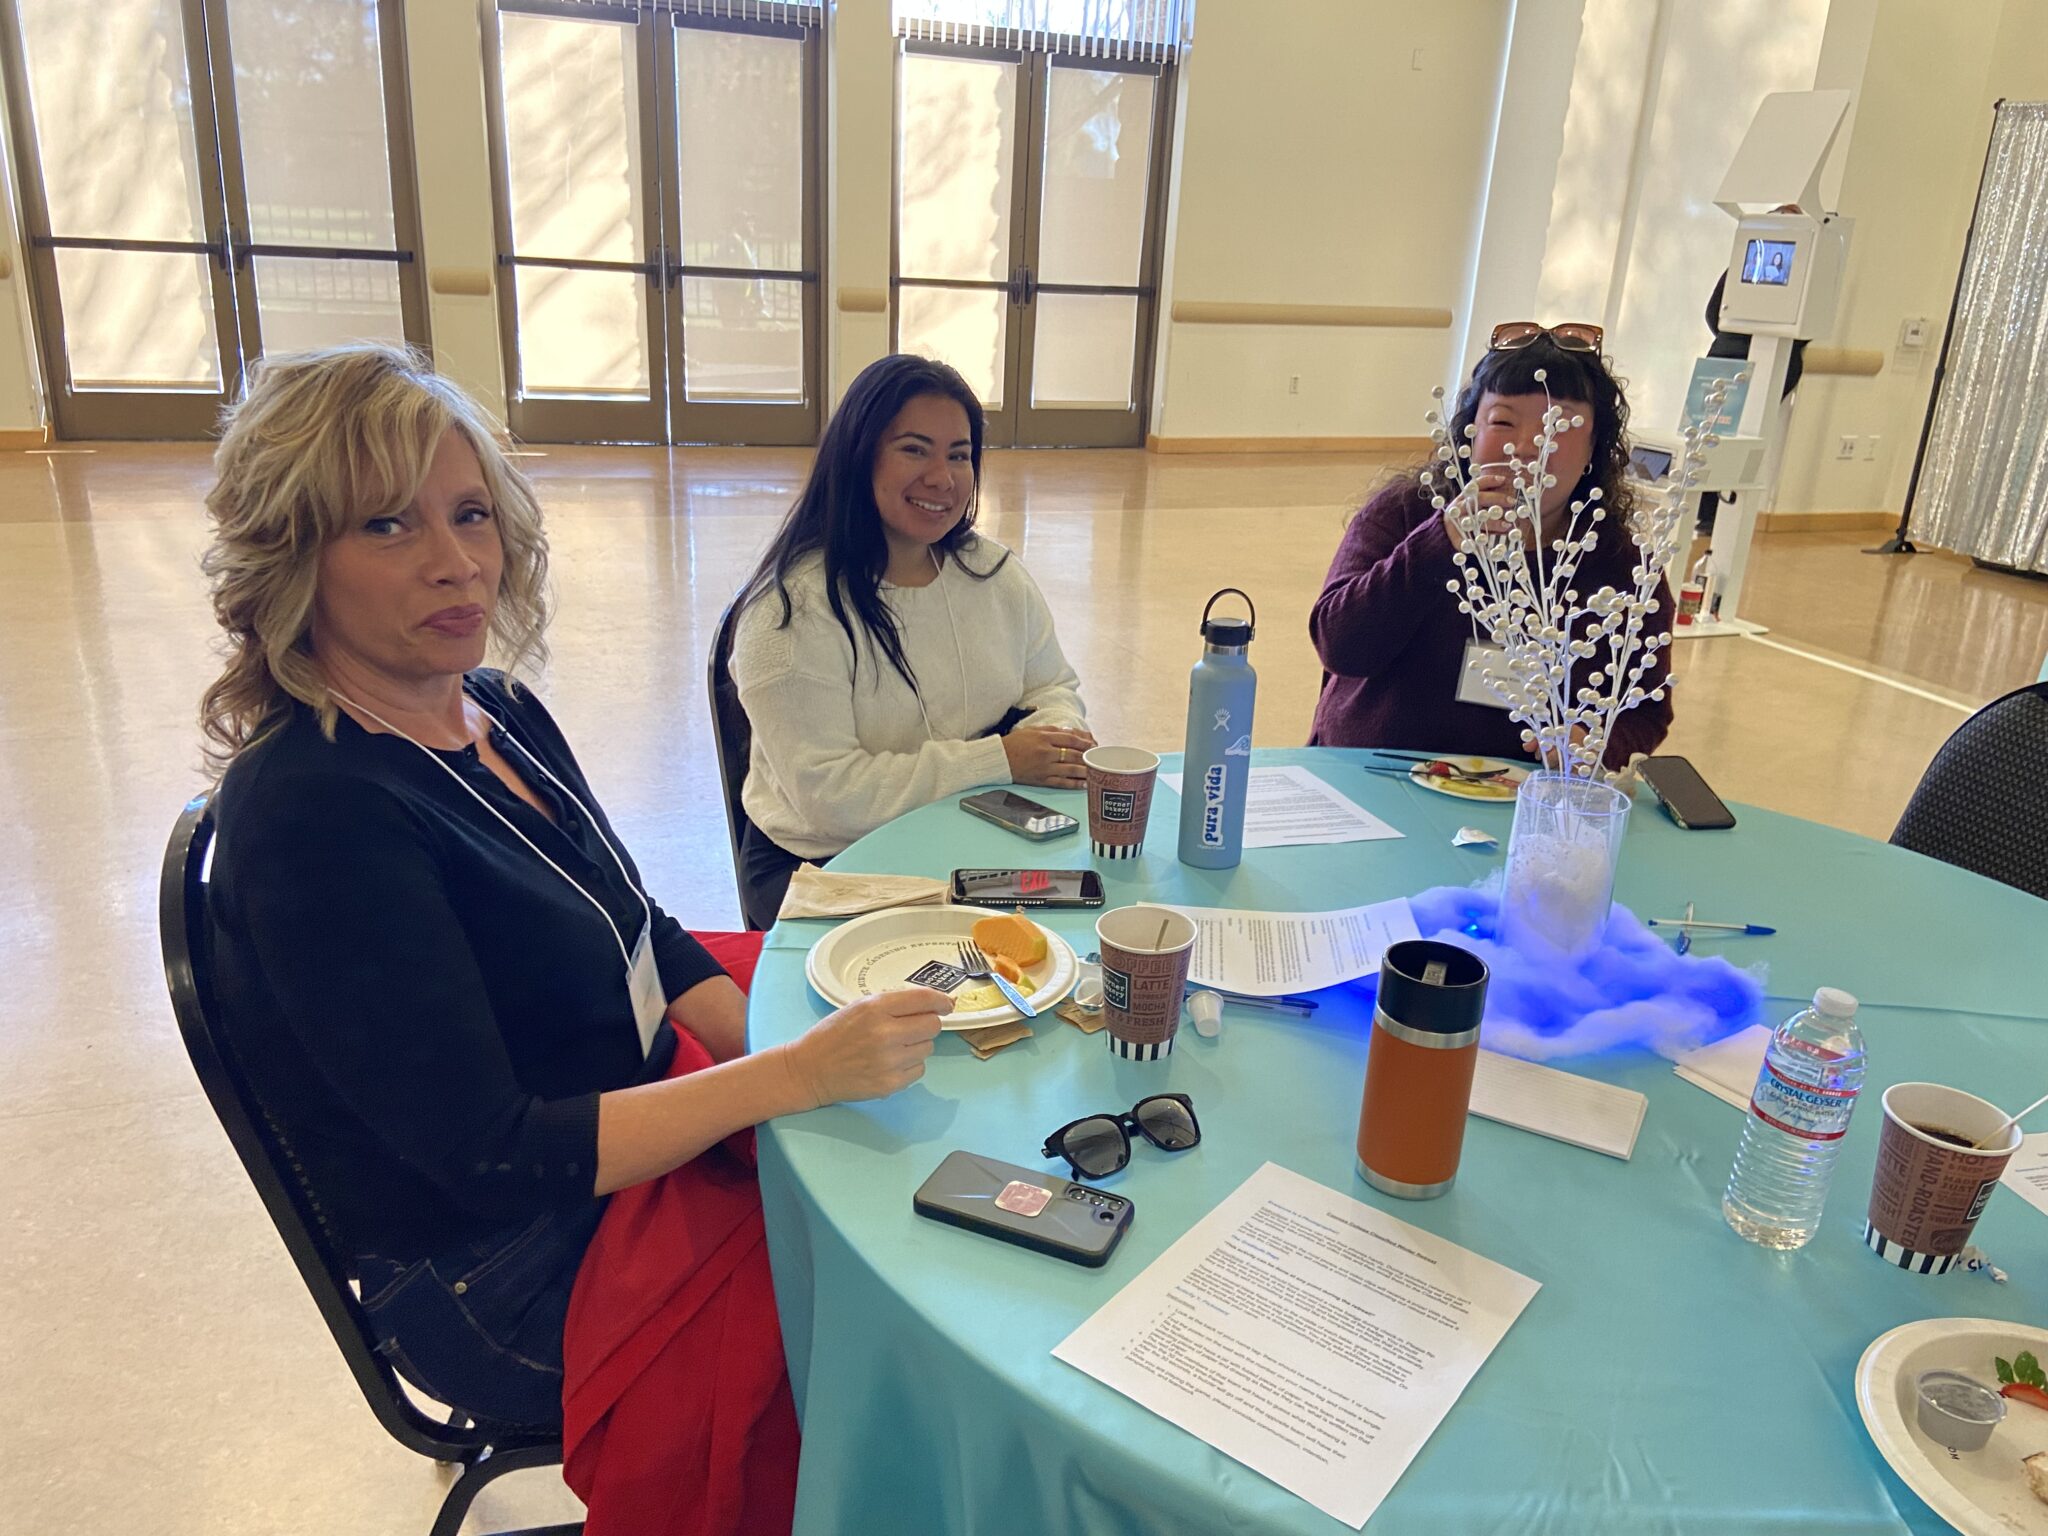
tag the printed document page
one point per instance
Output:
(1306, 1334)
(1268, 954)
(1289, 806)
(2027, 1173)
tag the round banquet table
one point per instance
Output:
(1667, 1377)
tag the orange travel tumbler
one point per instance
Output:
(1418, 1071)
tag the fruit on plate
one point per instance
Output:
(1011, 936)
(1006, 968)
(2022, 1379)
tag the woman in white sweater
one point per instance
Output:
(887, 655)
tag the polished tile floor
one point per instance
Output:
(160, 1368)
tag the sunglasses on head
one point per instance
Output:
(1513, 335)
(1095, 1146)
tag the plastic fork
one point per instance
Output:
(976, 965)
(1465, 775)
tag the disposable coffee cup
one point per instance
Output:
(1932, 1183)
(1145, 955)
(1419, 1066)
(1120, 781)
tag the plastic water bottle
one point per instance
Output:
(1216, 767)
(1798, 1115)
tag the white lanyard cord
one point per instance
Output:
(647, 913)
(959, 655)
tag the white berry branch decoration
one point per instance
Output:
(1519, 586)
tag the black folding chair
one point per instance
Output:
(481, 1453)
(732, 737)
(1983, 802)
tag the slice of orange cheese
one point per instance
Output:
(1011, 937)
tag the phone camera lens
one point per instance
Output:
(1104, 1215)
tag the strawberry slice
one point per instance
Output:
(2024, 1392)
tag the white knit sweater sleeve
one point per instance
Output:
(1052, 691)
(811, 786)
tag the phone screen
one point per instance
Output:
(995, 886)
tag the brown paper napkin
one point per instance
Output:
(987, 1041)
(814, 892)
(1088, 1022)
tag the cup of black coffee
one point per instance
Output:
(1933, 1180)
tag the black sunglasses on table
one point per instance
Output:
(1095, 1146)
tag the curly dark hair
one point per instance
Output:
(1582, 377)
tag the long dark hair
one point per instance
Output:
(1568, 376)
(837, 516)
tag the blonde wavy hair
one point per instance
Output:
(320, 442)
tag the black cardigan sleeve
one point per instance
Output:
(348, 914)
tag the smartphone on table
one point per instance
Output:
(1684, 794)
(1013, 813)
(1034, 1210)
(1027, 888)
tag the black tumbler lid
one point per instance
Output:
(1432, 986)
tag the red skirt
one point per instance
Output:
(677, 1416)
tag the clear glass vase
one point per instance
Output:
(1561, 858)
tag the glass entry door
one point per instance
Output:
(655, 222)
(1027, 235)
(202, 180)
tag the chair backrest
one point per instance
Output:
(732, 737)
(1983, 802)
(186, 930)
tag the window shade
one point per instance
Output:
(786, 13)
(1146, 31)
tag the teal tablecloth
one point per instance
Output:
(1668, 1376)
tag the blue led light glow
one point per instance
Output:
(1632, 992)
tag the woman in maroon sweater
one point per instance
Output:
(1387, 628)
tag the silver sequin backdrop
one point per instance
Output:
(1984, 487)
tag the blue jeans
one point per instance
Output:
(479, 1327)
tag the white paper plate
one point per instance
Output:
(1501, 792)
(1981, 1493)
(874, 953)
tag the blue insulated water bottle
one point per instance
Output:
(1216, 769)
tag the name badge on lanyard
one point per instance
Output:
(643, 978)
(1472, 685)
(644, 981)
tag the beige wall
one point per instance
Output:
(1621, 118)
(861, 64)
(21, 386)
(1327, 162)
(1528, 146)
(1910, 180)
(444, 49)
(1322, 162)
